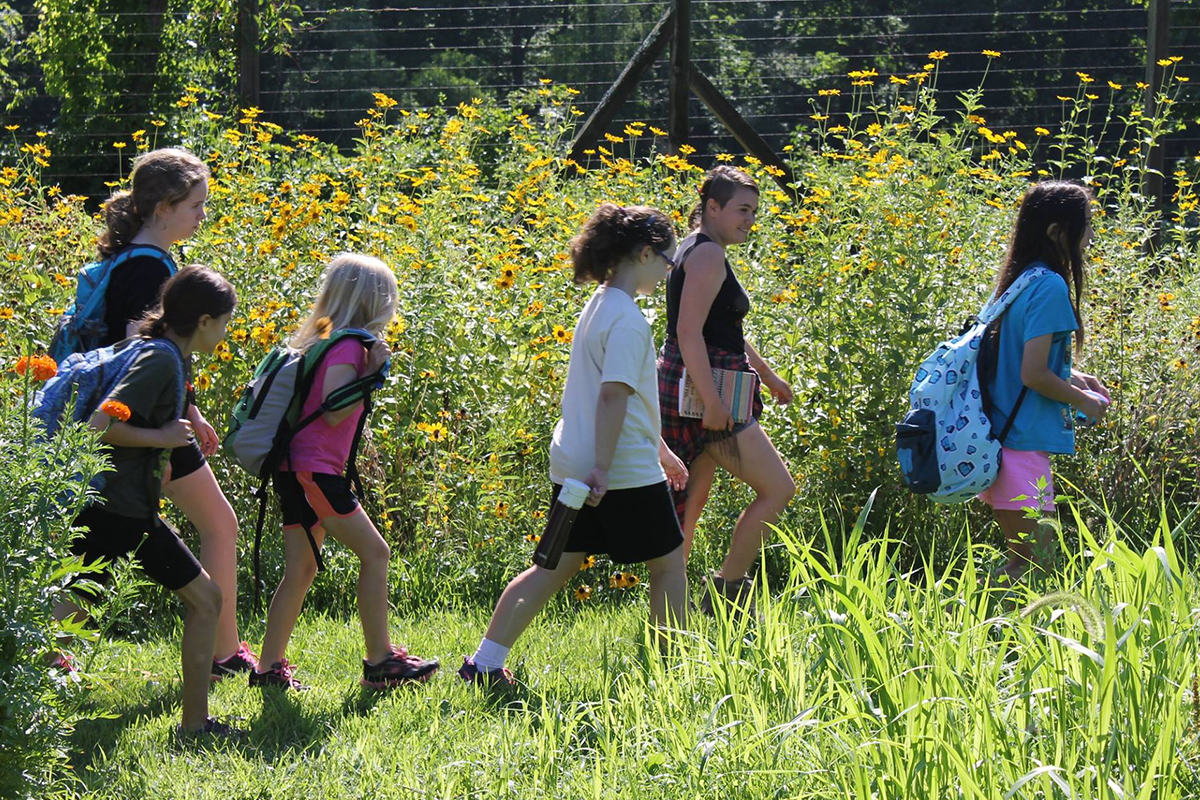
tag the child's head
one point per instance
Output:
(728, 203)
(1053, 226)
(619, 237)
(358, 292)
(196, 304)
(169, 187)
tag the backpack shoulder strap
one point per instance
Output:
(140, 251)
(998, 305)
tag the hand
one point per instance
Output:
(717, 417)
(597, 480)
(677, 471)
(377, 356)
(1083, 380)
(206, 436)
(177, 434)
(779, 389)
(1092, 408)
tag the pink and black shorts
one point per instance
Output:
(306, 498)
(1019, 473)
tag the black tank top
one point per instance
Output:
(723, 327)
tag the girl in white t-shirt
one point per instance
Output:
(609, 436)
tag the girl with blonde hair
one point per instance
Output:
(359, 293)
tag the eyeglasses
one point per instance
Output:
(670, 261)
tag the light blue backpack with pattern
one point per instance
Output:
(945, 444)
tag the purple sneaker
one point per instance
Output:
(488, 679)
(397, 669)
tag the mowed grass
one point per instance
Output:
(856, 681)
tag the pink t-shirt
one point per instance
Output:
(321, 447)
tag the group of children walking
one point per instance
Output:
(649, 468)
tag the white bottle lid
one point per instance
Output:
(573, 493)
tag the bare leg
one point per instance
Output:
(357, 532)
(1024, 540)
(526, 595)
(298, 572)
(202, 599)
(700, 477)
(763, 470)
(668, 589)
(200, 499)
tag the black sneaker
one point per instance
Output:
(241, 661)
(398, 668)
(279, 675)
(488, 679)
(212, 728)
(740, 594)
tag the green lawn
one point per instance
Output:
(860, 683)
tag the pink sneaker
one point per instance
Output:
(241, 661)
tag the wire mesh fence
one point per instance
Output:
(771, 58)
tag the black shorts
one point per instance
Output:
(162, 554)
(186, 460)
(629, 525)
(306, 498)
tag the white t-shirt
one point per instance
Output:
(613, 343)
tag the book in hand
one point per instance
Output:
(737, 390)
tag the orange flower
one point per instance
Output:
(115, 409)
(44, 367)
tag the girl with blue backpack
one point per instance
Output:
(140, 418)
(165, 205)
(1033, 372)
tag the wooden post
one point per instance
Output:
(746, 136)
(1158, 38)
(681, 64)
(248, 65)
(646, 54)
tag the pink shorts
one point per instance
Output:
(1019, 474)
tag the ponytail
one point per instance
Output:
(122, 220)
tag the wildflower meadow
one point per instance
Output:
(880, 667)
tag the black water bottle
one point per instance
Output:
(558, 523)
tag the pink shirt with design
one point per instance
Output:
(321, 447)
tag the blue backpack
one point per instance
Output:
(81, 327)
(90, 377)
(945, 443)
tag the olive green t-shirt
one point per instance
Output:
(151, 390)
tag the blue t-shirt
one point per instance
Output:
(1042, 424)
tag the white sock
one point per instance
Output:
(490, 656)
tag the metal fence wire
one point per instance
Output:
(770, 58)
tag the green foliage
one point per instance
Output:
(893, 240)
(38, 706)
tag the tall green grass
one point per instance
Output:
(858, 680)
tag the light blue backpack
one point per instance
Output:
(81, 327)
(86, 379)
(945, 444)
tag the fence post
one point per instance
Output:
(248, 55)
(680, 89)
(1158, 41)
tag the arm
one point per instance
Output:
(1082, 380)
(610, 415)
(122, 434)
(705, 274)
(1037, 375)
(778, 387)
(338, 375)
